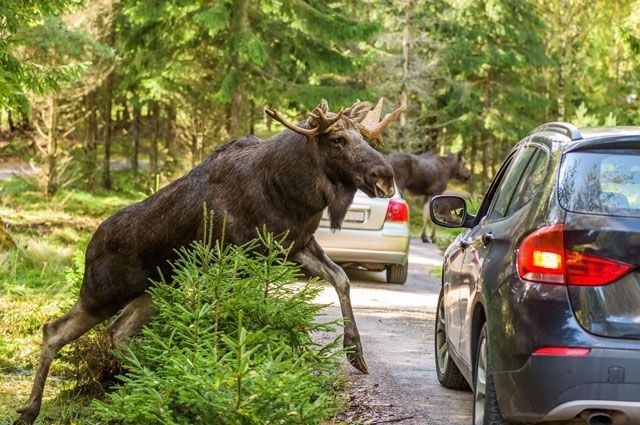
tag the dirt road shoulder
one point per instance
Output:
(396, 326)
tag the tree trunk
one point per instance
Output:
(473, 157)
(51, 185)
(108, 133)
(169, 136)
(108, 106)
(135, 134)
(12, 125)
(404, 87)
(487, 153)
(235, 109)
(89, 148)
(153, 152)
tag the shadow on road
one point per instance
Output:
(396, 325)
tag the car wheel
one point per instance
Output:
(397, 273)
(448, 373)
(485, 403)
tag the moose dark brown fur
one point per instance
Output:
(427, 175)
(283, 182)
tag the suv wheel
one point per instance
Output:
(448, 373)
(485, 403)
(397, 273)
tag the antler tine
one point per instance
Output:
(324, 123)
(308, 132)
(370, 126)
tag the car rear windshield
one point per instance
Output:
(603, 182)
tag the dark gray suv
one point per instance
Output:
(539, 311)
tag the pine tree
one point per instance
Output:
(20, 21)
(232, 58)
(497, 54)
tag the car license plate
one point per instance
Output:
(354, 217)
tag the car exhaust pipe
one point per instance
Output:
(599, 418)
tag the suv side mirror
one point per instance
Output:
(450, 211)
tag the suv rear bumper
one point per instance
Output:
(388, 245)
(553, 388)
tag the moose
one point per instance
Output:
(282, 183)
(427, 174)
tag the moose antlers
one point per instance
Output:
(372, 127)
(318, 114)
(369, 126)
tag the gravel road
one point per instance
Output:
(396, 326)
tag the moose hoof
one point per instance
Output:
(25, 419)
(28, 415)
(426, 239)
(357, 361)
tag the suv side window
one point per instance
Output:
(519, 183)
(530, 181)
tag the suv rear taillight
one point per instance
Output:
(543, 258)
(398, 210)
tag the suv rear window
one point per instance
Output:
(603, 182)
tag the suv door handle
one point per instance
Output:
(487, 238)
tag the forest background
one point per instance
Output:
(86, 84)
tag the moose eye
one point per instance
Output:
(339, 141)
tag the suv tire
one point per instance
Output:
(485, 403)
(448, 373)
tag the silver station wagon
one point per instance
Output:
(374, 236)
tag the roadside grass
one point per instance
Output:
(37, 286)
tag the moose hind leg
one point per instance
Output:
(75, 323)
(315, 261)
(130, 321)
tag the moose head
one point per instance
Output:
(347, 158)
(458, 166)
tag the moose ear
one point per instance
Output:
(358, 111)
(460, 156)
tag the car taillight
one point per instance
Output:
(541, 255)
(543, 258)
(562, 351)
(589, 270)
(398, 210)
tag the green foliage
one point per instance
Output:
(240, 54)
(21, 24)
(496, 47)
(230, 344)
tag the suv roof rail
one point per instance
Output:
(565, 128)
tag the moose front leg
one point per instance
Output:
(316, 262)
(426, 223)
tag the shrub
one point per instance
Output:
(230, 344)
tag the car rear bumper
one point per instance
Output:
(554, 388)
(388, 245)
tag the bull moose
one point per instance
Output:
(283, 182)
(427, 175)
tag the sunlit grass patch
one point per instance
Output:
(34, 264)
(38, 283)
(23, 311)
(61, 405)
